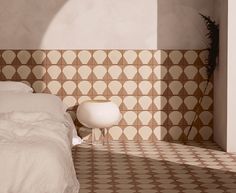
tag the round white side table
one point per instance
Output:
(98, 114)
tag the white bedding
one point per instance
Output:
(35, 154)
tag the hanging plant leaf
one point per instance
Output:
(211, 63)
(213, 36)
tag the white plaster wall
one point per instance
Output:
(220, 77)
(78, 24)
(24, 22)
(179, 23)
(231, 103)
(103, 24)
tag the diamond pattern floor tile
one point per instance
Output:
(160, 167)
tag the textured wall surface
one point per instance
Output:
(231, 78)
(220, 78)
(78, 24)
(180, 25)
(156, 90)
(104, 24)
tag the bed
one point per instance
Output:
(35, 144)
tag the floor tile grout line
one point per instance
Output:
(111, 167)
(130, 167)
(149, 168)
(226, 178)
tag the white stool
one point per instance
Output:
(98, 114)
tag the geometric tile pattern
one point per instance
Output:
(160, 167)
(156, 90)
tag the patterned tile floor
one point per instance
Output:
(160, 167)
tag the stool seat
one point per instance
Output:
(98, 114)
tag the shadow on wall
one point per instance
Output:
(157, 103)
(180, 25)
(27, 23)
(23, 23)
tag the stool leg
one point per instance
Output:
(106, 136)
(103, 134)
(93, 136)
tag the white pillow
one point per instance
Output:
(14, 86)
(29, 102)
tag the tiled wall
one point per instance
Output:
(156, 91)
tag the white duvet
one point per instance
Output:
(35, 155)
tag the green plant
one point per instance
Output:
(213, 36)
(211, 63)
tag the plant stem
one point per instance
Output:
(197, 111)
